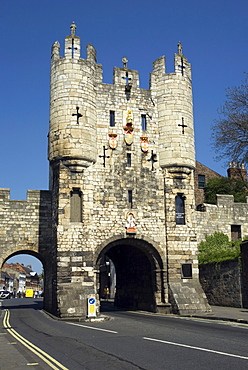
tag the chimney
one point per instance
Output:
(237, 171)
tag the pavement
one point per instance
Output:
(233, 314)
(15, 356)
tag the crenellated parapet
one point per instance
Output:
(25, 224)
(78, 95)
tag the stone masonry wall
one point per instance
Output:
(244, 259)
(220, 217)
(221, 283)
(25, 224)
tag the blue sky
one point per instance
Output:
(214, 39)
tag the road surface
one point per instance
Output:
(126, 341)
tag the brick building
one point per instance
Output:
(202, 175)
(17, 278)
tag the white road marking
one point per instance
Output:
(196, 348)
(91, 327)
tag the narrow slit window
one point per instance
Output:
(76, 205)
(112, 118)
(143, 122)
(129, 160)
(130, 198)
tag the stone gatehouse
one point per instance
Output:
(121, 187)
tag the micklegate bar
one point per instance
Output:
(122, 163)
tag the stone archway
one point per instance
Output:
(140, 278)
(19, 273)
(23, 251)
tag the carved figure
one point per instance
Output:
(179, 48)
(129, 118)
(131, 223)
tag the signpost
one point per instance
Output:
(91, 307)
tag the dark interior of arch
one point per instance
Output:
(135, 277)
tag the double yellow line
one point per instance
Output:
(54, 364)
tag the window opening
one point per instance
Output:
(76, 205)
(186, 270)
(130, 198)
(143, 122)
(128, 159)
(112, 118)
(235, 232)
(180, 209)
(201, 181)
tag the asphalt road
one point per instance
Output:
(131, 340)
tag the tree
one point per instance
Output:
(225, 185)
(230, 131)
(217, 248)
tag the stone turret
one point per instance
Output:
(173, 93)
(72, 137)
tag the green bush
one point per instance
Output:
(217, 248)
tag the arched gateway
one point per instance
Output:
(140, 279)
(121, 184)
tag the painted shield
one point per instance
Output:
(128, 135)
(112, 141)
(144, 144)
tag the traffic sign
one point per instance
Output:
(91, 307)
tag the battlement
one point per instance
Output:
(4, 194)
(227, 200)
(181, 66)
(32, 196)
(122, 75)
(81, 105)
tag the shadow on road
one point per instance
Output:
(108, 306)
(17, 303)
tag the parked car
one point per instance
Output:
(5, 294)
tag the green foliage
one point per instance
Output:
(225, 185)
(217, 248)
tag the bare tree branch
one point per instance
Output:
(230, 130)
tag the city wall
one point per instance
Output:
(221, 216)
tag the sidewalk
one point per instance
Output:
(14, 355)
(233, 314)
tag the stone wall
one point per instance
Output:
(25, 224)
(221, 283)
(244, 259)
(221, 216)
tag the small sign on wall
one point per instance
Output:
(91, 307)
